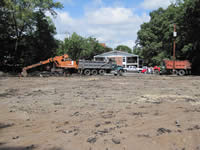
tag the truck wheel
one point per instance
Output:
(94, 72)
(181, 72)
(87, 72)
(176, 72)
(24, 73)
(120, 72)
(101, 72)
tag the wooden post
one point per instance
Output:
(174, 49)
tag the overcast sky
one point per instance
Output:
(113, 22)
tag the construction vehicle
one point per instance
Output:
(61, 64)
(179, 67)
(97, 67)
(117, 70)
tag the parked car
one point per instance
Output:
(132, 69)
(144, 71)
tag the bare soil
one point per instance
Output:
(132, 112)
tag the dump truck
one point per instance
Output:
(181, 67)
(87, 67)
(98, 67)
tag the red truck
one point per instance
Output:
(182, 67)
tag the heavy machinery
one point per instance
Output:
(60, 64)
(63, 64)
(94, 67)
(181, 67)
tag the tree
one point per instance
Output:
(22, 12)
(21, 19)
(42, 44)
(155, 38)
(191, 21)
(74, 45)
(123, 48)
(78, 47)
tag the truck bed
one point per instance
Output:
(185, 64)
(94, 65)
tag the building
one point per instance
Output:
(103, 44)
(121, 58)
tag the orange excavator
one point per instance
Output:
(60, 64)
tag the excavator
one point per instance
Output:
(60, 64)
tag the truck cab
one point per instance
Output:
(118, 70)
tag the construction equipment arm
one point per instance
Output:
(24, 70)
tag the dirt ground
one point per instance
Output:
(131, 112)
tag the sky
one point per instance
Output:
(113, 22)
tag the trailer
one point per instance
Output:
(181, 67)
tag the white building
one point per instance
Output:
(121, 58)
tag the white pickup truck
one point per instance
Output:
(132, 69)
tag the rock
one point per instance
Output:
(197, 127)
(177, 123)
(143, 135)
(76, 114)
(116, 141)
(107, 116)
(30, 147)
(101, 132)
(57, 103)
(163, 130)
(92, 139)
(76, 133)
(107, 122)
(16, 137)
(66, 122)
(97, 125)
(198, 148)
(66, 131)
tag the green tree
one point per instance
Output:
(74, 45)
(78, 47)
(21, 19)
(42, 44)
(123, 48)
(191, 28)
(155, 38)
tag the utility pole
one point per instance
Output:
(174, 48)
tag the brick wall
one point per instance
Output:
(118, 60)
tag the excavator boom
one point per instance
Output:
(24, 70)
(60, 62)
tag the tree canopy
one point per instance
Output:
(123, 48)
(26, 32)
(155, 38)
(78, 47)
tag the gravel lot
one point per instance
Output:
(130, 112)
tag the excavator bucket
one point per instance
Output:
(24, 73)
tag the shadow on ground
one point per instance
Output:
(15, 148)
(2, 125)
(24, 148)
